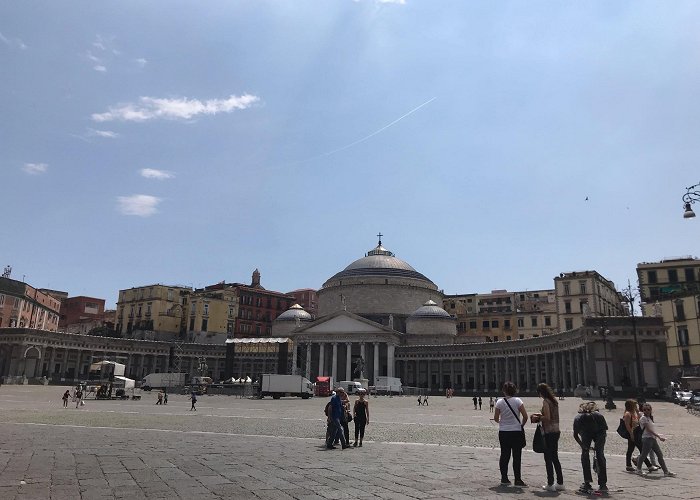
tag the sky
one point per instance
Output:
(493, 144)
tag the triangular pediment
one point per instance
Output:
(343, 322)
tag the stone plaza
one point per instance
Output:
(248, 448)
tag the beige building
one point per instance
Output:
(536, 313)
(580, 294)
(211, 314)
(152, 308)
(670, 289)
(23, 306)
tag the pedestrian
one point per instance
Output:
(549, 420)
(193, 397)
(475, 401)
(511, 433)
(649, 442)
(590, 427)
(336, 414)
(631, 418)
(65, 397)
(165, 396)
(361, 413)
(425, 400)
(78, 397)
(491, 404)
(160, 398)
(345, 418)
(561, 395)
(480, 402)
(420, 401)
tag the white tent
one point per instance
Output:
(107, 367)
(128, 383)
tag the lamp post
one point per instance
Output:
(692, 194)
(641, 384)
(609, 403)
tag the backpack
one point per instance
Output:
(327, 409)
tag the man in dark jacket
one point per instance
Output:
(590, 427)
(336, 411)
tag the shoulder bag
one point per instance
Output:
(539, 445)
(622, 430)
(523, 441)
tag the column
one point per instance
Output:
(78, 364)
(584, 361)
(417, 373)
(375, 373)
(348, 361)
(496, 374)
(571, 370)
(517, 371)
(452, 373)
(579, 366)
(475, 374)
(507, 363)
(308, 360)
(364, 360)
(464, 375)
(334, 363)
(555, 372)
(52, 362)
(528, 388)
(390, 360)
(141, 365)
(321, 360)
(440, 377)
(428, 362)
(405, 372)
(487, 363)
(39, 363)
(547, 372)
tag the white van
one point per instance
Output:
(350, 386)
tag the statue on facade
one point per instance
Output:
(360, 368)
(391, 321)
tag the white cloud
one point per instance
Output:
(13, 42)
(99, 68)
(141, 61)
(149, 108)
(141, 205)
(152, 173)
(108, 134)
(35, 168)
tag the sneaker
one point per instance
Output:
(505, 481)
(354, 444)
(602, 489)
(549, 487)
(360, 445)
(560, 487)
(634, 461)
(346, 446)
(654, 468)
(669, 474)
(330, 447)
(585, 488)
(642, 473)
(630, 469)
(519, 482)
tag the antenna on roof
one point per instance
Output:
(7, 272)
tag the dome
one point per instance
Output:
(430, 310)
(379, 262)
(294, 312)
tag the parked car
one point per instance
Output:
(685, 397)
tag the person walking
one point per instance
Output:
(511, 435)
(165, 396)
(65, 397)
(193, 397)
(336, 414)
(480, 402)
(549, 419)
(475, 401)
(649, 442)
(491, 404)
(361, 413)
(590, 427)
(631, 419)
(420, 401)
(344, 420)
(425, 400)
(78, 397)
(160, 398)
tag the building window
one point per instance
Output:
(521, 336)
(506, 323)
(148, 309)
(206, 309)
(193, 307)
(170, 294)
(683, 336)
(229, 327)
(2, 299)
(673, 276)
(680, 311)
(230, 311)
(204, 324)
(567, 307)
(192, 323)
(689, 274)
(533, 321)
(494, 323)
(651, 277)
(686, 357)
(257, 330)
(508, 337)
(547, 321)
(567, 289)
(521, 322)
(485, 324)
(569, 323)
(472, 325)
(582, 287)
(139, 311)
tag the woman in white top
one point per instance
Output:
(508, 412)
(649, 436)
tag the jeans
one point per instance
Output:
(599, 441)
(337, 433)
(510, 444)
(359, 429)
(648, 445)
(631, 445)
(551, 457)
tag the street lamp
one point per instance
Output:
(609, 403)
(691, 196)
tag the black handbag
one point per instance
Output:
(539, 445)
(348, 417)
(523, 441)
(622, 429)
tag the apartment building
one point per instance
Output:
(581, 294)
(151, 308)
(670, 289)
(23, 306)
(536, 313)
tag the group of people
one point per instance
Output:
(162, 397)
(589, 429)
(77, 397)
(339, 415)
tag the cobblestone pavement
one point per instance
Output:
(239, 448)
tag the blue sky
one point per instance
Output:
(192, 142)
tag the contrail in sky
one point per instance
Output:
(355, 143)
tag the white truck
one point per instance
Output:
(285, 385)
(350, 386)
(162, 381)
(388, 385)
